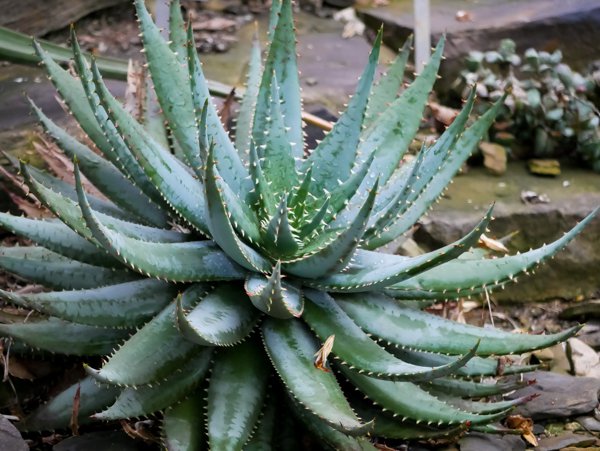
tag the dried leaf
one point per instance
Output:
(322, 354)
(74, 423)
(135, 92)
(226, 111)
(523, 425)
(492, 244)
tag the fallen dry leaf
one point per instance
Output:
(74, 423)
(226, 110)
(523, 425)
(492, 244)
(322, 354)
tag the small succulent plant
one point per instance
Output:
(218, 276)
(549, 106)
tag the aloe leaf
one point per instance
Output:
(236, 393)
(281, 62)
(458, 154)
(390, 135)
(106, 177)
(40, 265)
(177, 33)
(56, 413)
(227, 159)
(193, 261)
(58, 238)
(333, 159)
(123, 305)
(69, 213)
(317, 222)
(179, 188)
(408, 400)
(220, 226)
(245, 117)
(299, 196)
(155, 351)
(471, 389)
(274, 296)
(388, 85)
(262, 438)
(336, 255)
(94, 120)
(480, 407)
(475, 367)
(462, 274)
(371, 270)
(171, 83)
(330, 436)
(279, 237)
(262, 195)
(291, 348)
(183, 425)
(147, 399)
(404, 326)
(56, 335)
(223, 317)
(357, 350)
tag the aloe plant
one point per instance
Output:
(238, 267)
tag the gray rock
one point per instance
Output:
(101, 440)
(560, 396)
(563, 440)
(589, 423)
(10, 438)
(573, 26)
(574, 270)
(488, 442)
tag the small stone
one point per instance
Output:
(311, 81)
(584, 359)
(544, 167)
(494, 157)
(589, 423)
(10, 438)
(564, 440)
(561, 396)
(489, 442)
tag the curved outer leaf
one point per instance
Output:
(194, 261)
(470, 389)
(408, 400)
(224, 317)
(332, 437)
(386, 425)
(335, 255)
(382, 316)
(387, 87)
(106, 177)
(69, 213)
(55, 335)
(56, 413)
(154, 352)
(281, 61)
(40, 265)
(124, 305)
(177, 35)
(135, 402)
(273, 296)
(357, 350)
(57, 237)
(178, 187)
(371, 270)
(463, 274)
(183, 425)
(333, 159)
(475, 367)
(291, 348)
(236, 395)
